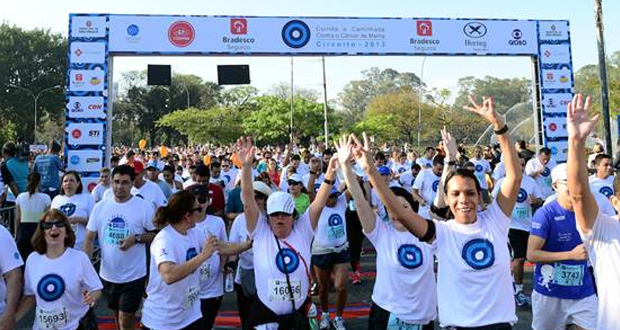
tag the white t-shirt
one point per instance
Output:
(176, 305)
(405, 284)
(499, 172)
(211, 277)
(474, 281)
(331, 230)
(239, 234)
(602, 186)
(399, 168)
(406, 180)
(230, 178)
(522, 212)
(78, 205)
(9, 260)
(481, 168)
(113, 222)
(427, 184)
(543, 179)
(377, 204)
(424, 162)
(270, 263)
(32, 207)
(98, 192)
(150, 192)
(58, 285)
(603, 245)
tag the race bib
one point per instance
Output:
(394, 323)
(279, 291)
(51, 319)
(335, 233)
(568, 275)
(191, 296)
(205, 272)
(520, 213)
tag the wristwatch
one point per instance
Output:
(137, 238)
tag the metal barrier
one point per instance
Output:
(7, 218)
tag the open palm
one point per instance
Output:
(362, 152)
(578, 123)
(245, 150)
(485, 110)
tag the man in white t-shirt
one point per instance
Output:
(426, 161)
(407, 179)
(539, 168)
(10, 279)
(425, 186)
(602, 180)
(102, 186)
(147, 190)
(123, 224)
(600, 232)
(481, 169)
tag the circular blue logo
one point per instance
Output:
(68, 209)
(287, 261)
(227, 178)
(522, 196)
(546, 172)
(133, 30)
(479, 168)
(607, 191)
(191, 252)
(410, 256)
(295, 34)
(334, 220)
(16, 255)
(75, 159)
(554, 150)
(479, 253)
(51, 287)
(435, 185)
(401, 170)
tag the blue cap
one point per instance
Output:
(152, 164)
(384, 170)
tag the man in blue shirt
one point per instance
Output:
(563, 285)
(49, 166)
(14, 169)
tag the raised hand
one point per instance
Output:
(487, 111)
(245, 151)
(362, 152)
(578, 123)
(211, 245)
(449, 143)
(344, 150)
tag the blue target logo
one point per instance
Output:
(546, 172)
(287, 261)
(479, 168)
(410, 256)
(133, 30)
(435, 185)
(401, 170)
(227, 178)
(51, 287)
(191, 252)
(479, 253)
(334, 220)
(607, 191)
(68, 209)
(522, 196)
(295, 34)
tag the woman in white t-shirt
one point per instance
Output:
(281, 246)
(474, 281)
(75, 203)
(30, 207)
(59, 280)
(405, 292)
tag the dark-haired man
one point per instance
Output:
(539, 168)
(203, 176)
(425, 186)
(602, 180)
(48, 166)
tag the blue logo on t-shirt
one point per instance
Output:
(51, 287)
(435, 185)
(334, 220)
(546, 172)
(401, 170)
(522, 196)
(191, 252)
(68, 209)
(410, 256)
(607, 191)
(479, 253)
(287, 261)
(479, 168)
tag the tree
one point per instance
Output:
(35, 60)
(357, 94)
(587, 82)
(216, 125)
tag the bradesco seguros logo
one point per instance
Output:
(181, 34)
(238, 40)
(423, 40)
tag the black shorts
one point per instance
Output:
(518, 243)
(327, 261)
(125, 297)
(379, 318)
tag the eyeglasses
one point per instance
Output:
(45, 225)
(293, 183)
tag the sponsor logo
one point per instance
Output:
(78, 52)
(181, 34)
(89, 28)
(78, 77)
(94, 81)
(424, 28)
(133, 30)
(238, 26)
(94, 133)
(517, 40)
(76, 133)
(475, 30)
(77, 107)
(295, 34)
(553, 127)
(91, 160)
(554, 150)
(75, 159)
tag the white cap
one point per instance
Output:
(559, 173)
(296, 177)
(280, 201)
(261, 187)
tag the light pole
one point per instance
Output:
(420, 100)
(36, 100)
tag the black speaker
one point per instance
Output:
(159, 75)
(233, 74)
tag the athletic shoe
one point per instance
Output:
(338, 323)
(522, 299)
(356, 277)
(314, 289)
(324, 324)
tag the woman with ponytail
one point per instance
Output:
(30, 207)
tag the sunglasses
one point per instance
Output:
(293, 183)
(45, 225)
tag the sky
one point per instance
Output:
(438, 72)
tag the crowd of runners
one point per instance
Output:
(177, 229)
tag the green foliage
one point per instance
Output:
(587, 82)
(216, 125)
(8, 132)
